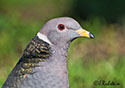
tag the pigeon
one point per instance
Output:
(43, 63)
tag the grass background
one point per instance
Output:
(102, 58)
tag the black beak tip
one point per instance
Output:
(91, 35)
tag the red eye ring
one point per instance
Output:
(61, 27)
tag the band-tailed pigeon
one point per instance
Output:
(43, 63)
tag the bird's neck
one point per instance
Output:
(53, 72)
(59, 62)
(56, 66)
(60, 50)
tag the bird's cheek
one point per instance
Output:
(54, 37)
(73, 35)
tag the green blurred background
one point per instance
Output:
(102, 58)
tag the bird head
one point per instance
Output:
(62, 30)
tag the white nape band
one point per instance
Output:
(43, 37)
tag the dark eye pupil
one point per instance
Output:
(61, 27)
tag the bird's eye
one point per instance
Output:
(61, 27)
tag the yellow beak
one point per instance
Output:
(84, 33)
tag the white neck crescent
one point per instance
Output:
(43, 37)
